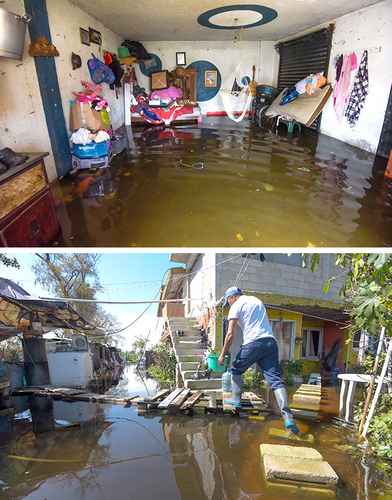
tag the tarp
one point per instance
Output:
(16, 303)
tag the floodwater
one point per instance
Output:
(230, 185)
(116, 453)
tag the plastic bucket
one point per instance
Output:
(212, 363)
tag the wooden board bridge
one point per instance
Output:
(180, 400)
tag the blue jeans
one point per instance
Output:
(265, 353)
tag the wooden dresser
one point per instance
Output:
(27, 212)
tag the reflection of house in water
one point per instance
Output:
(65, 451)
(214, 458)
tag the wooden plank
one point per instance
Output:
(190, 402)
(180, 399)
(161, 394)
(171, 397)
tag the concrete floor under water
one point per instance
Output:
(223, 184)
(116, 453)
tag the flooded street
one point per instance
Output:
(112, 452)
(258, 188)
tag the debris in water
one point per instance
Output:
(303, 169)
(268, 187)
(239, 237)
(84, 184)
(199, 165)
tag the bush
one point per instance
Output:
(380, 435)
(253, 380)
(163, 368)
(290, 369)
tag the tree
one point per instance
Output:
(9, 261)
(367, 291)
(76, 276)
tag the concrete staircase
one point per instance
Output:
(189, 352)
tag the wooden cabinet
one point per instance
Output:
(27, 212)
(186, 79)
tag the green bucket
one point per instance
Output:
(123, 52)
(213, 365)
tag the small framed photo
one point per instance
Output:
(181, 58)
(211, 79)
(95, 36)
(84, 36)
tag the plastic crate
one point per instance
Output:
(87, 163)
(91, 150)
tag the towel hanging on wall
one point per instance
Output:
(359, 92)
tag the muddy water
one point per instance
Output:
(116, 453)
(230, 185)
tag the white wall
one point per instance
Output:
(22, 119)
(370, 29)
(225, 55)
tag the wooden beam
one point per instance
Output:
(180, 399)
(171, 397)
(190, 402)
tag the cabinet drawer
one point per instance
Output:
(37, 225)
(21, 188)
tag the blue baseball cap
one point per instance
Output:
(231, 292)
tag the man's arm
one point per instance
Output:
(231, 331)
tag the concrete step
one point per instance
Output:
(191, 374)
(187, 338)
(187, 344)
(184, 351)
(212, 383)
(189, 365)
(193, 358)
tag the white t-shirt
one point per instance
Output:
(252, 318)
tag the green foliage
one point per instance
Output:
(381, 434)
(76, 276)
(163, 369)
(9, 261)
(291, 369)
(253, 380)
(131, 357)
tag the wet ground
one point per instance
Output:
(115, 453)
(230, 185)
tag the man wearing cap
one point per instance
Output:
(259, 346)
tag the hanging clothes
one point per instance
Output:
(342, 86)
(359, 92)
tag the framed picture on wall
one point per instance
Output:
(181, 58)
(95, 36)
(211, 79)
(84, 36)
(159, 80)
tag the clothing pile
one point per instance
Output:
(91, 128)
(349, 98)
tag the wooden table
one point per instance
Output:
(27, 212)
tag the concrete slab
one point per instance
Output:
(283, 434)
(283, 468)
(285, 451)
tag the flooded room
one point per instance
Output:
(128, 124)
(139, 374)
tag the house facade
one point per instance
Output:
(307, 322)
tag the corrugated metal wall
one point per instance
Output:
(304, 55)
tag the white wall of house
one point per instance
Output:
(370, 29)
(279, 278)
(201, 283)
(22, 118)
(226, 56)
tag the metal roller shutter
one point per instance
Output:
(304, 55)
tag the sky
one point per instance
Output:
(124, 276)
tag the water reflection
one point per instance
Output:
(115, 452)
(311, 190)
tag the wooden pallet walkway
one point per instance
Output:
(68, 394)
(187, 402)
